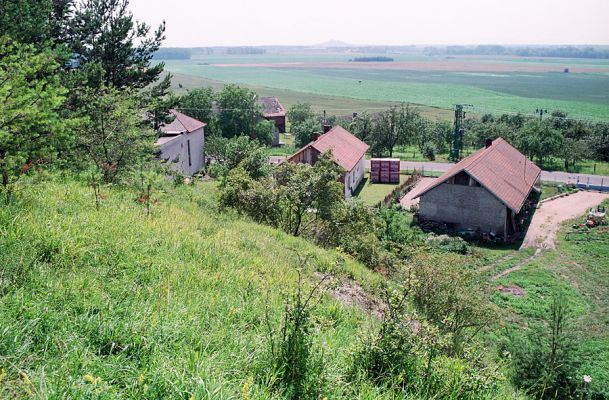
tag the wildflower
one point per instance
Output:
(145, 388)
(25, 379)
(140, 379)
(90, 379)
(587, 378)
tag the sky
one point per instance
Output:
(193, 23)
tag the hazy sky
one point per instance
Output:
(260, 22)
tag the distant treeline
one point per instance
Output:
(245, 50)
(172, 53)
(372, 59)
(496, 50)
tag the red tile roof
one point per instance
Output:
(271, 107)
(182, 123)
(346, 149)
(501, 169)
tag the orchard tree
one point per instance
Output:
(362, 126)
(198, 103)
(238, 110)
(299, 113)
(104, 32)
(30, 95)
(304, 130)
(111, 135)
(397, 126)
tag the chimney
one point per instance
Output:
(315, 136)
(489, 143)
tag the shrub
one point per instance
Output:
(453, 244)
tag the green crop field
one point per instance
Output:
(491, 85)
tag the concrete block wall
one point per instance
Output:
(464, 206)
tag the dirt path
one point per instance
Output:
(517, 266)
(547, 219)
(408, 200)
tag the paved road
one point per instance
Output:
(546, 176)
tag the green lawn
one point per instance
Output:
(372, 193)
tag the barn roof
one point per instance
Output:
(182, 123)
(346, 149)
(501, 169)
(271, 107)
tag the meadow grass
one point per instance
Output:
(372, 193)
(112, 304)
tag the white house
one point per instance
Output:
(347, 151)
(182, 143)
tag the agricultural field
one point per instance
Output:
(490, 84)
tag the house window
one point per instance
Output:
(189, 159)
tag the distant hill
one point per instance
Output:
(333, 43)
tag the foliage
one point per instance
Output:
(238, 110)
(104, 32)
(228, 154)
(198, 103)
(362, 126)
(407, 355)
(449, 297)
(264, 132)
(299, 113)
(110, 135)
(295, 367)
(545, 359)
(447, 243)
(303, 131)
(397, 126)
(30, 95)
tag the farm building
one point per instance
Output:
(347, 151)
(182, 143)
(484, 192)
(272, 110)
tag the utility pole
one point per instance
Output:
(253, 116)
(455, 153)
(541, 112)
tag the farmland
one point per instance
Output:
(490, 84)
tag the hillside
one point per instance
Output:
(111, 303)
(172, 306)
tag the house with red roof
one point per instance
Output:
(348, 152)
(182, 143)
(485, 192)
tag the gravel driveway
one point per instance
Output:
(547, 219)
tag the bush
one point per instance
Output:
(545, 359)
(453, 244)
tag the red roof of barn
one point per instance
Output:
(182, 123)
(346, 149)
(501, 169)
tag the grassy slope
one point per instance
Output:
(580, 270)
(170, 306)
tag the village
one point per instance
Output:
(231, 204)
(491, 195)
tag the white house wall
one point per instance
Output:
(177, 149)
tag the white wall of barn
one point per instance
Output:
(185, 152)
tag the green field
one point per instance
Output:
(581, 94)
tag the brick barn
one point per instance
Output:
(348, 152)
(272, 110)
(182, 143)
(485, 192)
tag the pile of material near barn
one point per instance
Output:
(385, 170)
